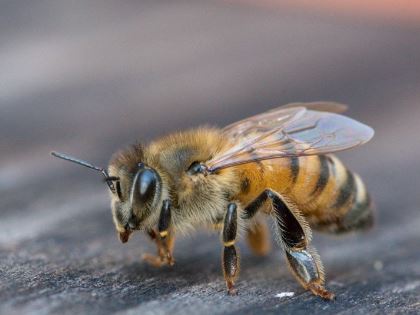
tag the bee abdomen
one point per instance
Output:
(324, 176)
(359, 215)
(342, 200)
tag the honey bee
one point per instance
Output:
(277, 163)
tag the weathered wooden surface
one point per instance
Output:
(89, 78)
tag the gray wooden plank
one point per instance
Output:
(90, 78)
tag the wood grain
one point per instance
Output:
(87, 79)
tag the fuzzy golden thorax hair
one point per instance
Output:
(196, 199)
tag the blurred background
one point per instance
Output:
(88, 78)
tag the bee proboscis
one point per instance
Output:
(277, 163)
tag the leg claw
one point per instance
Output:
(153, 260)
(232, 292)
(231, 288)
(158, 261)
(321, 291)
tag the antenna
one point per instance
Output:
(69, 158)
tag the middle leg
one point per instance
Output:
(230, 259)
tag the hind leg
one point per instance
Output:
(294, 235)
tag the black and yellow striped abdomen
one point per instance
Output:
(328, 195)
(336, 198)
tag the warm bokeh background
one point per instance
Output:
(90, 77)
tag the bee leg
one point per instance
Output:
(163, 250)
(230, 259)
(164, 227)
(163, 238)
(258, 239)
(295, 235)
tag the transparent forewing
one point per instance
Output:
(295, 131)
(331, 107)
(263, 123)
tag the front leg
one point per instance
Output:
(163, 237)
(230, 260)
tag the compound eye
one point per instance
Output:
(146, 184)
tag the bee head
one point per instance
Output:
(137, 193)
(135, 189)
(145, 185)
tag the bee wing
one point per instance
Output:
(331, 107)
(289, 131)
